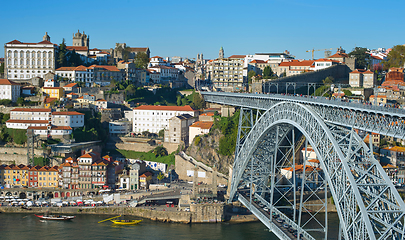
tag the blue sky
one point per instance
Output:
(185, 28)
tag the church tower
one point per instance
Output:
(221, 52)
(46, 37)
(81, 39)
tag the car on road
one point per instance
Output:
(266, 209)
(285, 225)
(279, 220)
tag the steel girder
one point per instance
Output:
(385, 121)
(368, 205)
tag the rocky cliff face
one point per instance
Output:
(206, 151)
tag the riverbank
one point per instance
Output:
(205, 213)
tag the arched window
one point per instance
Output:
(21, 54)
(44, 54)
(28, 62)
(21, 62)
(27, 54)
(9, 53)
(49, 63)
(33, 62)
(15, 54)
(39, 62)
(15, 62)
(44, 63)
(33, 54)
(38, 55)
(50, 55)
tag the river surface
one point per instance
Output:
(27, 226)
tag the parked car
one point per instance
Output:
(279, 220)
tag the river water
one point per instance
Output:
(27, 226)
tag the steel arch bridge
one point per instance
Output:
(271, 128)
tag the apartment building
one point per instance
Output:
(155, 118)
(9, 90)
(227, 74)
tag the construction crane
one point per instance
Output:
(313, 50)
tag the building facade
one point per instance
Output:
(9, 90)
(24, 61)
(155, 118)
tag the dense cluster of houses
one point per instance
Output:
(89, 171)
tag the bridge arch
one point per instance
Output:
(344, 159)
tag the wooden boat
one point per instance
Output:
(126, 222)
(55, 217)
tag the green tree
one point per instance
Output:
(160, 151)
(267, 72)
(347, 93)
(251, 74)
(395, 58)
(162, 133)
(141, 60)
(160, 176)
(328, 80)
(62, 54)
(198, 101)
(2, 68)
(20, 101)
(362, 57)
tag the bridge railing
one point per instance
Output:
(317, 100)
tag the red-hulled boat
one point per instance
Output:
(55, 217)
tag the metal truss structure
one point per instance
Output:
(272, 128)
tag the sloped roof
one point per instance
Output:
(165, 108)
(7, 82)
(202, 125)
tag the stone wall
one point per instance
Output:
(16, 155)
(336, 71)
(183, 165)
(139, 147)
(171, 147)
(202, 214)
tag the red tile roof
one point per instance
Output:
(67, 113)
(70, 85)
(7, 82)
(18, 42)
(106, 67)
(165, 108)
(202, 125)
(78, 68)
(139, 49)
(237, 56)
(49, 100)
(31, 110)
(258, 61)
(339, 55)
(77, 48)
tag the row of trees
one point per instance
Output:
(395, 58)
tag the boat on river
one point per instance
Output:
(55, 217)
(126, 222)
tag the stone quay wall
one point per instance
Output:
(202, 214)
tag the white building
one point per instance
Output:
(120, 127)
(157, 166)
(9, 90)
(166, 72)
(54, 131)
(199, 128)
(77, 74)
(323, 63)
(157, 61)
(24, 61)
(155, 118)
(49, 83)
(44, 121)
(70, 119)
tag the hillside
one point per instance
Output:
(206, 151)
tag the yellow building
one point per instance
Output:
(48, 177)
(14, 176)
(145, 179)
(54, 92)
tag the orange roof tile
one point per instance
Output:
(165, 108)
(26, 121)
(31, 110)
(237, 56)
(202, 125)
(67, 113)
(70, 85)
(7, 82)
